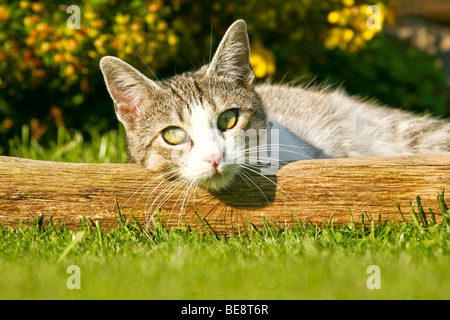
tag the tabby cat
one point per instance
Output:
(205, 127)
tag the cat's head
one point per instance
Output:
(184, 125)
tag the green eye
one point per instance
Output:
(227, 120)
(174, 135)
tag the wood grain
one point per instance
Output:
(434, 10)
(308, 190)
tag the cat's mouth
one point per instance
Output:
(218, 178)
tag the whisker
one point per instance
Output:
(148, 183)
(248, 167)
(242, 174)
(153, 74)
(181, 181)
(192, 185)
(159, 195)
(303, 170)
(267, 148)
(180, 196)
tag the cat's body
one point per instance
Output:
(199, 127)
(342, 126)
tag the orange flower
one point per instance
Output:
(153, 7)
(69, 70)
(30, 41)
(45, 46)
(8, 123)
(36, 6)
(4, 13)
(34, 18)
(38, 73)
(58, 57)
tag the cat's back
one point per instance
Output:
(345, 126)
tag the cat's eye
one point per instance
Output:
(174, 135)
(227, 120)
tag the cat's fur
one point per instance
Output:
(313, 122)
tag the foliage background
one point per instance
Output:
(50, 79)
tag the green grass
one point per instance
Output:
(71, 145)
(272, 262)
(301, 261)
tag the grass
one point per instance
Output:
(273, 262)
(71, 145)
(301, 261)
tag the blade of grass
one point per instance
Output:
(400, 211)
(76, 239)
(433, 218)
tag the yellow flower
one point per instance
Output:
(128, 49)
(368, 34)
(262, 60)
(122, 18)
(333, 38)
(45, 46)
(161, 26)
(172, 40)
(92, 33)
(69, 32)
(69, 70)
(150, 18)
(89, 14)
(71, 45)
(342, 46)
(27, 21)
(358, 41)
(135, 26)
(42, 27)
(68, 57)
(92, 54)
(138, 38)
(347, 35)
(363, 10)
(333, 17)
(348, 3)
(24, 4)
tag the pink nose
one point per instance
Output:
(214, 159)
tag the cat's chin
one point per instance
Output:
(219, 181)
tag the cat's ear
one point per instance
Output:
(232, 58)
(128, 88)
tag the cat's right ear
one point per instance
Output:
(232, 57)
(128, 88)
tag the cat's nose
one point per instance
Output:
(213, 158)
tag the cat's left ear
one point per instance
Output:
(232, 57)
(128, 88)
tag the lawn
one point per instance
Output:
(301, 261)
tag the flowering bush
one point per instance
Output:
(354, 25)
(49, 72)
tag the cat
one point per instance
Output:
(183, 126)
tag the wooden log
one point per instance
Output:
(310, 190)
(434, 10)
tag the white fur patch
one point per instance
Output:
(290, 147)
